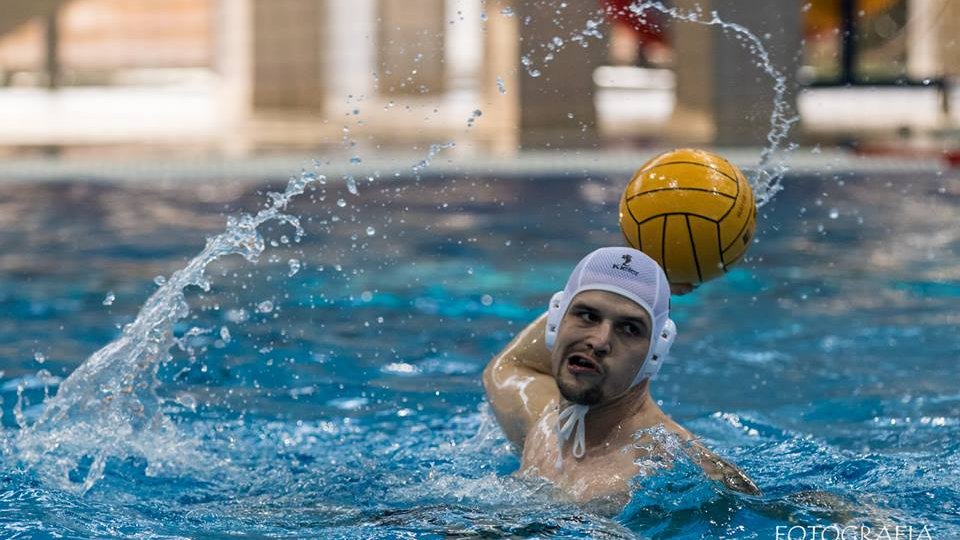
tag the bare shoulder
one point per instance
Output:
(714, 466)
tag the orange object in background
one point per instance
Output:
(825, 14)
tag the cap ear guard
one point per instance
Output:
(553, 319)
(661, 349)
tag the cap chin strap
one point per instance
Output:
(572, 420)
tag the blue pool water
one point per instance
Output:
(332, 390)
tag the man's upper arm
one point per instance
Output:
(715, 467)
(518, 382)
(723, 471)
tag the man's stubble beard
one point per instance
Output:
(581, 396)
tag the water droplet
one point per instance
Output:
(501, 87)
(341, 203)
(225, 334)
(265, 307)
(355, 160)
(188, 401)
(371, 231)
(352, 185)
(486, 300)
(507, 12)
(834, 213)
(39, 357)
(366, 296)
(473, 117)
(294, 265)
(237, 315)
(534, 73)
(159, 280)
(108, 300)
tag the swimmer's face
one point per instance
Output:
(600, 346)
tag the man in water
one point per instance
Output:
(572, 390)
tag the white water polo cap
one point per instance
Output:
(633, 275)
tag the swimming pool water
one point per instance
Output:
(334, 389)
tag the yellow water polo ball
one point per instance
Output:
(690, 210)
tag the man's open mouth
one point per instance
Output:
(579, 364)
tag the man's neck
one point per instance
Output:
(622, 415)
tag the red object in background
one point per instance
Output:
(648, 28)
(953, 158)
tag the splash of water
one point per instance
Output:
(766, 181)
(109, 406)
(766, 178)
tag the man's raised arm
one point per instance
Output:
(519, 384)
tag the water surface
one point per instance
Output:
(333, 389)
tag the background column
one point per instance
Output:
(411, 39)
(288, 50)
(722, 96)
(556, 107)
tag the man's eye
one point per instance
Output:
(588, 316)
(632, 329)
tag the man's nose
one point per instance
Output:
(599, 339)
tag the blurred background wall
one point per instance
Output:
(233, 77)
